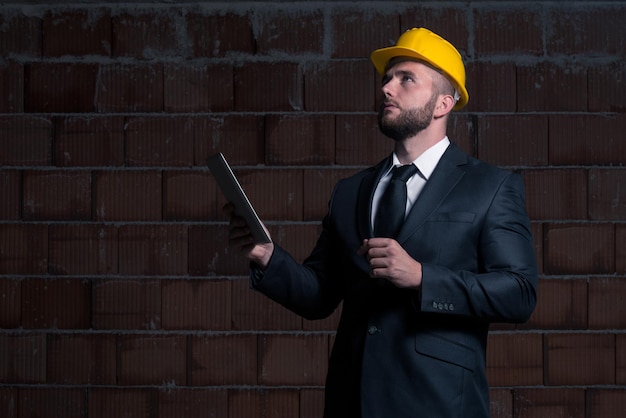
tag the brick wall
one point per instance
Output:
(118, 297)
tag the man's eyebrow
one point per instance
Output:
(390, 74)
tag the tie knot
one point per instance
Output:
(404, 172)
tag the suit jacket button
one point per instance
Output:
(372, 330)
(440, 306)
(451, 307)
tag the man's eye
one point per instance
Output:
(407, 78)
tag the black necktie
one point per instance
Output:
(392, 205)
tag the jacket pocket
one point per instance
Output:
(452, 217)
(446, 350)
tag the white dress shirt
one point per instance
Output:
(425, 163)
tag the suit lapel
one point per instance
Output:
(366, 195)
(446, 175)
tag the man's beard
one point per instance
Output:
(409, 122)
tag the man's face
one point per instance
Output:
(409, 100)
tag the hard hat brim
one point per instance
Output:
(381, 58)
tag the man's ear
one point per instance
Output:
(445, 104)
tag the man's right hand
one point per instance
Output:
(240, 239)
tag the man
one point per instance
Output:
(417, 302)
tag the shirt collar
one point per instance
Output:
(428, 160)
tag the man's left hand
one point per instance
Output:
(390, 261)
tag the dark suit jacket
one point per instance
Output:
(416, 353)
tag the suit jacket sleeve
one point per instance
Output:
(502, 288)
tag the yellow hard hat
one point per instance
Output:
(424, 45)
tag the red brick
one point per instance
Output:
(497, 31)
(583, 30)
(514, 359)
(83, 141)
(194, 403)
(358, 140)
(356, 33)
(12, 87)
(10, 303)
(196, 304)
(300, 140)
(606, 303)
(60, 87)
(219, 34)
(606, 403)
(153, 250)
(492, 87)
(537, 233)
(256, 403)
(126, 304)
(318, 187)
(130, 88)
(268, 87)
(605, 202)
(223, 360)
(190, 195)
(299, 240)
(160, 141)
(556, 194)
(128, 195)
(570, 145)
(56, 303)
(620, 249)
(253, 311)
(450, 22)
(21, 34)
(152, 360)
(23, 359)
(620, 359)
(23, 249)
(198, 88)
(75, 359)
(461, 131)
(500, 403)
(8, 402)
(146, 35)
(592, 354)
(561, 304)
(77, 32)
(57, 195)
(340, 86)
(25, 140)
(544, 402)
(120, 402)
(607, 87)
(290, 31)
(239, 137)
(311, 403)
(209, 254)
(51, 402)
(550, 87)
(513, 140)
(83, 249)
(10, 190)
(293, 359)
(579, 249)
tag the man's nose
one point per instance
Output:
(387, 89)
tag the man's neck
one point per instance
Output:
(411, 148)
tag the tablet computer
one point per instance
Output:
(234, 193)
